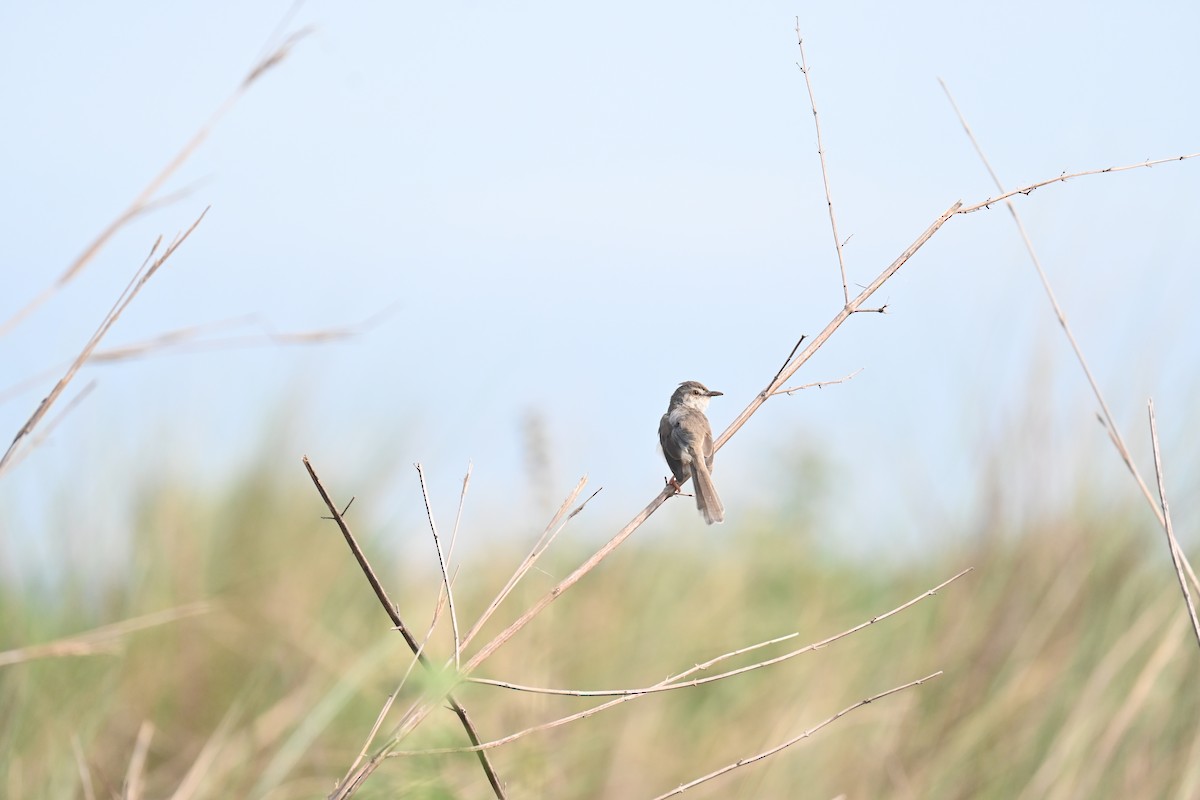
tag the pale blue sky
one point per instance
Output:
(571, 209)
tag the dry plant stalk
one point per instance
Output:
(144, 273)
(812, 101)
(104, 640)
(393, 613)
(1177, 557)
(1106, 417)
(678, 681)
(782, 746)
(146, 201)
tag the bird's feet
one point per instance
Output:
(674, 484)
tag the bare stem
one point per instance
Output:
(394, 615)
(741, 762)
(817, 384)
(812, 101)
(1106, 418)
(1068, 176)
(442, 563)
(1172, 542)
(679, 681)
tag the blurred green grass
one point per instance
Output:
(1069, 669)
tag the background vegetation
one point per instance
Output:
(1069, 669)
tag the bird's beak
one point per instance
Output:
(711, 393)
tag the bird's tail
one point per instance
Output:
(706, 494)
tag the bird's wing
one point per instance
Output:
(671, 447)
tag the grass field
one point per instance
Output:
(1069, 669)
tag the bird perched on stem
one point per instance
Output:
(687, 444)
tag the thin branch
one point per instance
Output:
(1068, 176)
(136, 774)
(671, 685)
(394, 615)
(678, 681)
(791, 355)
(437, 543)
(49, 427)
(784, 375)
(143, 274)
(741, 762)
(102, 640)
(1172, 542)
(85, 773)
(817, 384)
(462, 502)
(1106, 419)
(145, 201)
(383, 712)
(812, 101)
(551, 531)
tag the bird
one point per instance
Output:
(687, 445)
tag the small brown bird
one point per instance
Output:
(687, 444)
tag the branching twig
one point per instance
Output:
(1106, 418)
(394, 615)
(791, 355)
(812, 101)
(1066, 177)
(741, 762)
(785, 374)
(817, 384)
(671, 684)
(442, 563)
(679, 681)
(1172, 542)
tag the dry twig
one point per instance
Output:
(680, 680)
(136, 774)
(812, 101)
(394, 614)
(741, 762)
(679, 683)
(437, 543)
(103, 640)
(1172, 543)
(817, 384)
(1106, 417)
(143, 274)
(1066, 177)
(146, 201)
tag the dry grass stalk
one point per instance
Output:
(741, 762)
(146, 201)
(103, 640)
(1106, 417)
(549, 534)
(677, 681)
(812, 101)
(136, 774)
(817, 384)
(437, 544)
(1068, 176)
(393, 613)
(1177, 557)
(143, 274)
